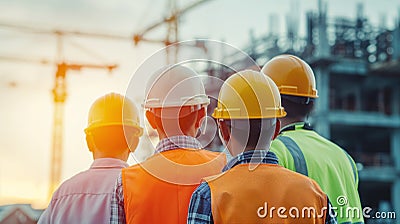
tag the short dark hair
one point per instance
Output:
(297, 106)
(256, 131)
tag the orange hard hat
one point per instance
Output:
(292, 75)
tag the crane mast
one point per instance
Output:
(59, 96)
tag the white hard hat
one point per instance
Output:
(175, 86)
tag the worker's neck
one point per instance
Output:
(289, 120)
(163, 135)
(236, 152)
(252, 149)
(101, 155)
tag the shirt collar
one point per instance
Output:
(178, 142)
(296, 126)
(108, 163)
(252, 156)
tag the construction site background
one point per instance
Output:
(52, 69)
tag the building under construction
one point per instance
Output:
(356, 66)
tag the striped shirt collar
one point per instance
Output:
(252, 156)
(178, 142)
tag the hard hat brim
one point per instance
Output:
(133, 125)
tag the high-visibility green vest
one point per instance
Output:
(301, 149)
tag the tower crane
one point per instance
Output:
(59, 90)
(172, 22)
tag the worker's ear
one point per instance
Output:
(224, 131)
(277, 128)
(151, 119)
(133, 143)
(90, 142)
(200, 115)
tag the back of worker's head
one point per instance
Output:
(296, 83)
(113, 126)
(297, 107)
(248, 105)
(175, 101)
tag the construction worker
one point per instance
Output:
(253, 188)
(159, 189)
(110, 136)
(301, 149)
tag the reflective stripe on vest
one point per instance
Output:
(352, 166)
(159, 189)
(298, 157)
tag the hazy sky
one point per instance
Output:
(25, 97)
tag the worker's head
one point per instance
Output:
(175, 101)
(113, 127)
(248, 107)
(296, 83)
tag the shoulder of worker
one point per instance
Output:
(335, 148)
(65, 186)
(282, 153)
(213, 177)
(277, 146)
(87, 182)
(305, 182)
(219, 155)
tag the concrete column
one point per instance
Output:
(323, 49)
(358, 98)
(322, 125)
(395, 101)
(395, 150)
(396, 40)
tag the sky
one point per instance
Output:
(25, 88)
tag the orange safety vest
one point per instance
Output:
(159, 189)
(244, 195)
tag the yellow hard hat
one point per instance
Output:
(292, 75)
(248, 95)
(114, 110)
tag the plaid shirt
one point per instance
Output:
(200, 203)
(117, 200)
